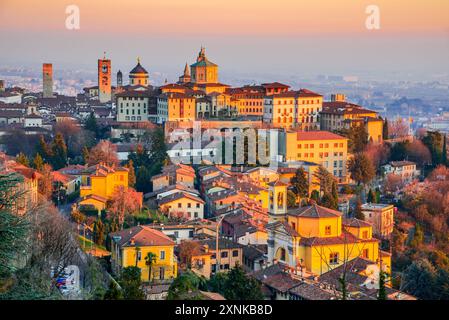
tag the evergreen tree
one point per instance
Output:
(315, 196)
(98, 232)
(434, 141)
(130, 281)
(131, 174)
(328, 201)
(358, 214)
(91, 125)
(85, 154)
(324, 179)
(444, 152)
(113, 292)
(371, 196)
(291, 199)
(361, 169)
(300, 183)
(38, 162)
(335, 192)
(13, 228)
(23, 159)
(59, 151)
(418, 237)
(43, 149)
(239, 286)
(143, 180)
(385, 130)
(382, 294)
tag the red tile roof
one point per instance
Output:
(318, 135)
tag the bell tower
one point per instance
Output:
(277, 201)
(104, 79)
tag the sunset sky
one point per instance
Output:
(246, 35)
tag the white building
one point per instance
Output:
(405, 169)
(33, 120)
(10, 97)
(133, 105)
(381, 217)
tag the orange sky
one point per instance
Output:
(227, 17)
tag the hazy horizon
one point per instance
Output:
(282, 39)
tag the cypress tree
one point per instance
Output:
(23, 159)
(59, 150)
(38, 162)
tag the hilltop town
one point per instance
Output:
(200, 190)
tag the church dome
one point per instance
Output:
(138, 69)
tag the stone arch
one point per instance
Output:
(281, 254)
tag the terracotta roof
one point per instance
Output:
(353, 222)
(310, 291)
(342, 107)
(179, 195)
(314, 211)
(142, 236)
(94, 197)
(274, 85)
(401, 163)
(318, 135)
(277, 183)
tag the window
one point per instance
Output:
(224, 254)
(327, 230)
(139, 255)
(294, 225)
(161, 273)
(365, 234)
(333, 258)
(189, 205)
(235, 253)
(179, 205)
(365, 253)
(176, 233)
(197, 205)
(162, 255)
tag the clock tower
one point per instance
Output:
(104, 80)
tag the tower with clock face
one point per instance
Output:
(104, 80)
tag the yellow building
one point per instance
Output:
(293, 109)
(321, 147)
(203, 70)
(182, 205)
(176, 106)
(318, 239)
(338, 115)
(381, 216)
(99, 182)
(130, 247)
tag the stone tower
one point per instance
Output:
(47, 77)
(104, 80)
(277, 201)
(185, 78)
(119, 79)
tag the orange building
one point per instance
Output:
(293, 109)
